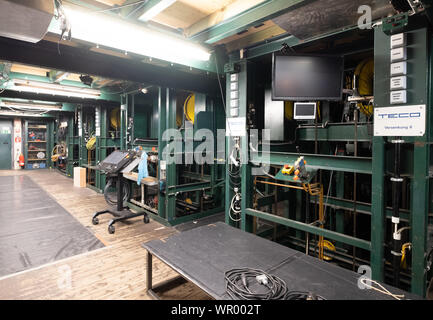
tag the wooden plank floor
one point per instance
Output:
(116, 271)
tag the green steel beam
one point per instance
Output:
(337, 133)
(151, 4)
(325, 162)
(187, 187)
(251, 17)
(359, 243)
(275, 44)
(361, 207)
(378, 209)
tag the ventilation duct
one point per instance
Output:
(26, 20)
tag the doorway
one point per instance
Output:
(5, 144)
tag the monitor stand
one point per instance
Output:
(121, 213)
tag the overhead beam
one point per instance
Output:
(130, 10)
(152, 8)
(79, 60)
(219, 16)
(253, 38)
(253, 16)
(58, 76)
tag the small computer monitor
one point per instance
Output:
(305, 111)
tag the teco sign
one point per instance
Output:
(400, 121)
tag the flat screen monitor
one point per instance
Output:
(305, 111)
(307, 78)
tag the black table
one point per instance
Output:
(202, 256)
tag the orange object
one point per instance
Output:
(295, 178)
(21, 160)
(296, 172)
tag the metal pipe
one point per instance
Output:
(396, 194)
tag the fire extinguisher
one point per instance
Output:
(21, 160)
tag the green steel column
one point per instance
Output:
(171, 168)
(82, 156)
(123, 107)
(161, 116)
(298, 213)
(246, 84)
(101, 150)
(339, 214)
(132, 115)
(50, 140)
(70, 145)
(419, 210)
(228, 147)
(378, 210)
(420, 183)
(381, 99)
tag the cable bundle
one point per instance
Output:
(237, 285)
(238, 280)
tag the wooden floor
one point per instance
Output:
(116, 271)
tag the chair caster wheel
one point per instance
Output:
(146, 219)
(111, 229)
(95, 221)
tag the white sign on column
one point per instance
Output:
(405, 121)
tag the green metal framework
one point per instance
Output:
(210, 184)
(416, 166)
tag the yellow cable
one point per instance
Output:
(404, 247)
(91, 144)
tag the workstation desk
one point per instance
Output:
(203, 255)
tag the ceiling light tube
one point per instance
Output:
(53, 86)
(29, 105)
(125, 36)
(52, 89)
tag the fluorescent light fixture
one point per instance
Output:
(156, 9)
(30, 105)
(53, 89)
(125, 36)
(18, 114)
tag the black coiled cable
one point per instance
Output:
(238, 283)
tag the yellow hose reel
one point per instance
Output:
(115, 118)
(365, 74)
(59, 150)
(189, 108)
